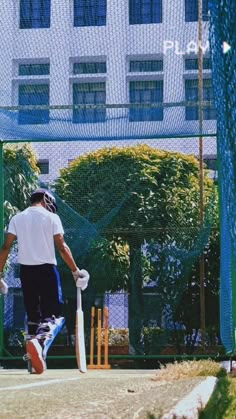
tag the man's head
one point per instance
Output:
(44, 197)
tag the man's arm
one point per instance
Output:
(4, 252)
(81, 277)
(5, 249)
(65, 252)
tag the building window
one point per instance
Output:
(144, 93)
(191, 10)
(212, 166)
(33, 95)
(145, 66)
(192, 94)
(90, 12)
(211, 162)
(192, 63)
(145, 11)
(93, 94)
(89, 68)
(35, 14)
(43, 166)
(34, 69)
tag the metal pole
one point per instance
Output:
(201, 172)
(1, 242)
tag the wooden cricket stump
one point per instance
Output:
(99, 364)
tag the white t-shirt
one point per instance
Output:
(35, 228)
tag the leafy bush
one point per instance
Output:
(117, 337)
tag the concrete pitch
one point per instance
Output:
(98, 394)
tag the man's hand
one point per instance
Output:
(81, 278)
(3, 285)
(76, 274)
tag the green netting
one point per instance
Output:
(108, 96)
(131, 217)
(223, 31)
(89, 70)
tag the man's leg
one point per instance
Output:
(47, 332)
(30, 288)
(51, 307)
(30, 331)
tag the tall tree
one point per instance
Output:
(20, 177)
(159, 192)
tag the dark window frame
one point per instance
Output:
(34, 69)
(192, 94)
(98, 67)
(211, 162)
(33, 94)
(90, 13)
(35, 14)
(43, 165)
(92, 93)
(146, 92)
(145, 12)
(191, 10)
(140, 66)
(194, 61)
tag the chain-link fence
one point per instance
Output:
(110, 105)
(132, 218)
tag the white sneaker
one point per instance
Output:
(35, 352)
(48, 331)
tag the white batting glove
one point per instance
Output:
(76, 274)
(81, 278)
(3, 285)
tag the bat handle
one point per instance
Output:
(79, 302)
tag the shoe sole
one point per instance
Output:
(36, 360)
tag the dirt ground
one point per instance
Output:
(107, 394)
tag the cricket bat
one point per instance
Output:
(80, 344)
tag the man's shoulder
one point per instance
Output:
(20, 213)
(35, 211)
(55, 217)
(29, 211)
(17, 215)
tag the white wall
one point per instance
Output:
(116, 42)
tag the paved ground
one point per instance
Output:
(110, 394)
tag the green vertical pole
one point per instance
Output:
(1, 242)
(201, 177)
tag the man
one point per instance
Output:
(37, 230)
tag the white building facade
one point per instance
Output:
(59, 54)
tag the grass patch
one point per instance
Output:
(189, 369)
(222, 404)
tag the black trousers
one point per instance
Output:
(41, 286)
